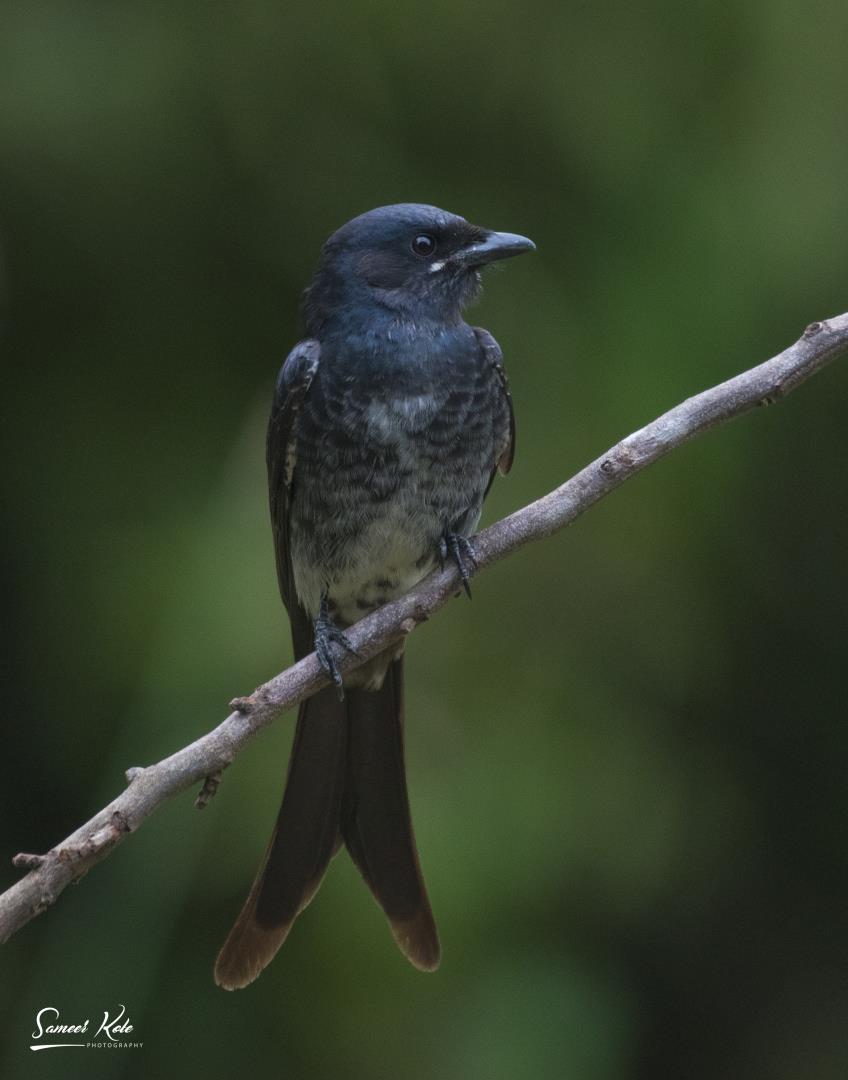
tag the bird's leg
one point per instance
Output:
(461, 550)
(327, 634)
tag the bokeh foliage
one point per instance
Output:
(628, 756)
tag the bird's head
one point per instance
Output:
(412, 260)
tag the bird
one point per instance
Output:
(389, 422)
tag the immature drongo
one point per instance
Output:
(389, 422)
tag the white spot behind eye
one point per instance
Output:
(437, 266)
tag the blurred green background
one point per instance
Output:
(627, 757)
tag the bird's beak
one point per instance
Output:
(494, 246)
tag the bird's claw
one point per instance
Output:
(461, 550)
(327, 634)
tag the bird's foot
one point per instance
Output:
(327, 634)
(461, 550)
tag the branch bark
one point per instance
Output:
(204, 759)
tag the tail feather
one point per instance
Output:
(376, 822)
(346, 779)
(305, 838)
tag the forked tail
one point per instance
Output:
(346, 781)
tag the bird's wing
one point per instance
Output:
(505, 452)
(293, 384)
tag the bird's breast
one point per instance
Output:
(397, 416)
(388, 458)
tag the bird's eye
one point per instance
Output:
(424, 245)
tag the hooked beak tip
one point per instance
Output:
(495, 246)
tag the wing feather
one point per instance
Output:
(505, 453)
(293, 384)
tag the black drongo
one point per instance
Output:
(389, 422)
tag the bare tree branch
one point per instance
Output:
(204, 759)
